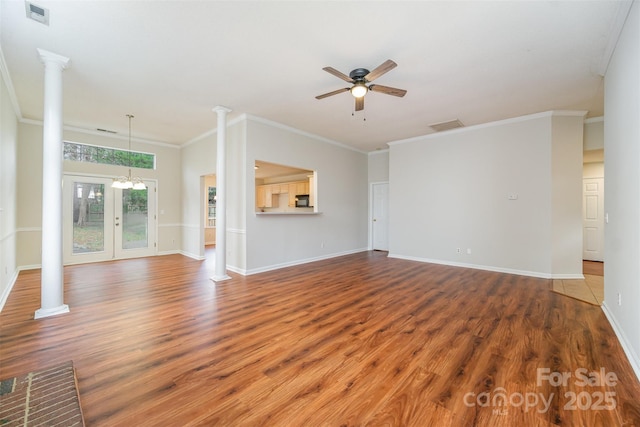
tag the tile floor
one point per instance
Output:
(590, 289)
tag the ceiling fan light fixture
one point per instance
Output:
(359, 90)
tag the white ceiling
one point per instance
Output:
(170, 62)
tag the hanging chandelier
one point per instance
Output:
(129, 181)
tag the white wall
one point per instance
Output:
(342, 195)
(566, 189)
(593, 148)
(8, 196)
(199, 159)
(379, 166)
(451, 190)
(593, 170)
(29, 184)
(594, 134)
(622, 188)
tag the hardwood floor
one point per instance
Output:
(356, 340)
(593, 268)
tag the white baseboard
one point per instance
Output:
(172, 252)
(7, 290)
(536, 274)
(192, 256)
(634, 360)
(296, 262)
(567, 276)
(234, 269)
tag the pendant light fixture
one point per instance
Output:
(129, 182)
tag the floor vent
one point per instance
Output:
(451, 124)
(37, 13)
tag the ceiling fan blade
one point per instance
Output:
(338, 74)
(388, 90)
(335, 92)
(386, 66)
(360, 103)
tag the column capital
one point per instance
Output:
(46, 56)
(220, 109)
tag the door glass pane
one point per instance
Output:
(134, 219)
(88, 217)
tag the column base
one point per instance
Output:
(46, 312)
(220, 278)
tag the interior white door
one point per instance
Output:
(380, 216)
(101, 223)
(593, 219)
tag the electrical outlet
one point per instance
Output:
(322, 245)
(468, 251)
(619, 298)
(458, 250)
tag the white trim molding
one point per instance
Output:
(535, 274)
(8, 289)
(574, 113)
(634, 360)
(245, 272)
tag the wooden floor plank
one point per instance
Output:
(356, 340)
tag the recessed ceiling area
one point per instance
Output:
(169, 63)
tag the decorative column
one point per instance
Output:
(220, 273)
(52, 284)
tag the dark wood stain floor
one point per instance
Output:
(356, 340)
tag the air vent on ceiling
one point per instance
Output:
(37, 13)
(451, 124)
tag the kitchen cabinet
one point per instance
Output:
(268, 195)
(260, 191)
(295, 188)
(292, 194)
(265, 196)
(302, 187)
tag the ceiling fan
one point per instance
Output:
(360, 78)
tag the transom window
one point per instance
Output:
(108, 156)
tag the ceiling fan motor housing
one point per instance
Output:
(358, 74)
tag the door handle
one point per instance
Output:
(374, 220)
(117, 223)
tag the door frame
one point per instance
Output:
(86, 258)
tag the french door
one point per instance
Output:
(103, 223)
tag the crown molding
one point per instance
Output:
(624, 7)
(552, 113)
(301, 132)
(104, 135)
(594, 120)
